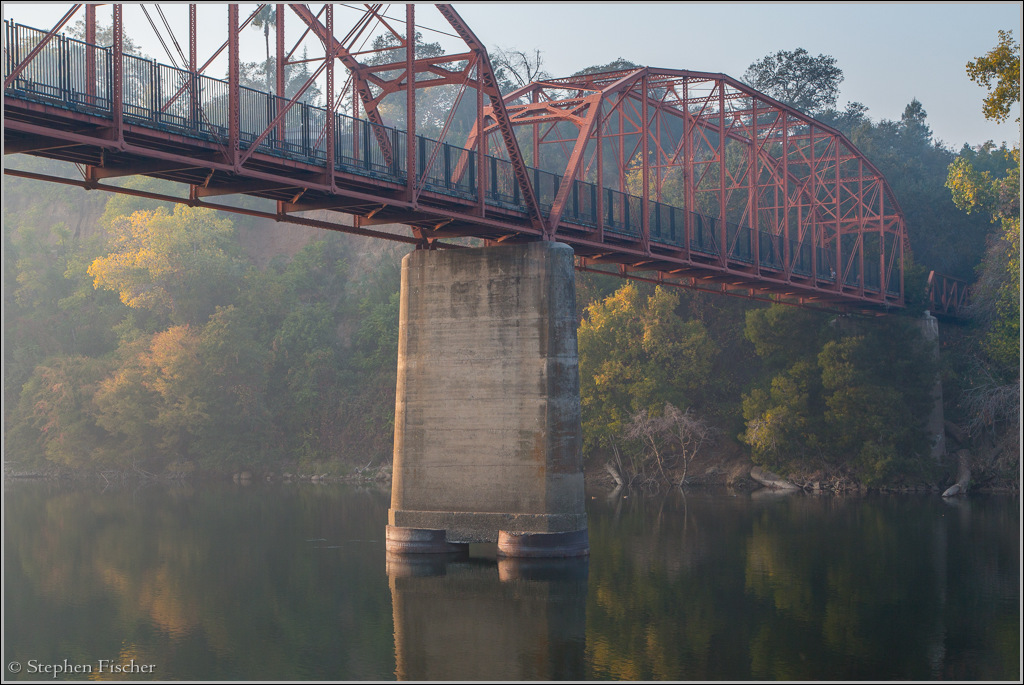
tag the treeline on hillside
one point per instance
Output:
(665, 375)
(153, 345)
(139, 337)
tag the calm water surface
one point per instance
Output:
(270, 582)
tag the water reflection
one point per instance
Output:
(799, 587)
(292, 582)
(212, 582)
(464, 618)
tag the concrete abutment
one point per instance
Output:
(487, 414)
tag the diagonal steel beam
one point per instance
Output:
(586, 128)
(16, 71)
(490, 86)
(358, 71)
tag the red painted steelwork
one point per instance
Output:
(947, 296)
(684, 178)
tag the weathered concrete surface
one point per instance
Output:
(420, 541)
(929, 326)
(543, 545)
(487, 415)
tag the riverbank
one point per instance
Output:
(729, 469)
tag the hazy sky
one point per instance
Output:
(890, 53)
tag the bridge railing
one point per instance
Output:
(60, 73)
(168, 98)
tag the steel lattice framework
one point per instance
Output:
(677, 177)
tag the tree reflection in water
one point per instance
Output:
(291, 581)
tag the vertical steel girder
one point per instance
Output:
(90, 55)
(234, 97)
(117, 86)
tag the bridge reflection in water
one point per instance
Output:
(458, 617)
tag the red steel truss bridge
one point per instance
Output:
(671, 176)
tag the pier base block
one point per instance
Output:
(535, 545)
(420, 541)
(487, 413)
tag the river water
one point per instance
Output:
(291, 581)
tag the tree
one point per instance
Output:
(181, 265)
(265, 19)
(260, 76)
(54, 418)
(914, 122)
(844, 397)
(637, 354)
(1001, 65)
(975, 190)
(810, 84)
(982, 183)
(433, 103)
(515, 68)
(619, 64)
(915, 167)
(105, 36)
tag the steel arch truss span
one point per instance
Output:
(684, 178)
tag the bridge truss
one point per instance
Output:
(677, 177)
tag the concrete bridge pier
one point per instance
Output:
(929, 326)
(488, 441)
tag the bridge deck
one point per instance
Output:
(52, 110)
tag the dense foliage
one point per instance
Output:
(985, 183)
(841, 397)
(157, 345)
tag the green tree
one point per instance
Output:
(1002, 66)
(840, 397)
(266, 19)
(636, 354)
(986, 182)
(619, 64)
(976, 190)
(53, 317)
(784, 425)
(999, 287)
(181, 265)
(261, 76)
(877, 400)
(105, 36)
(811, 84)
(54, 419)
(433, 103)
(915, 168)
